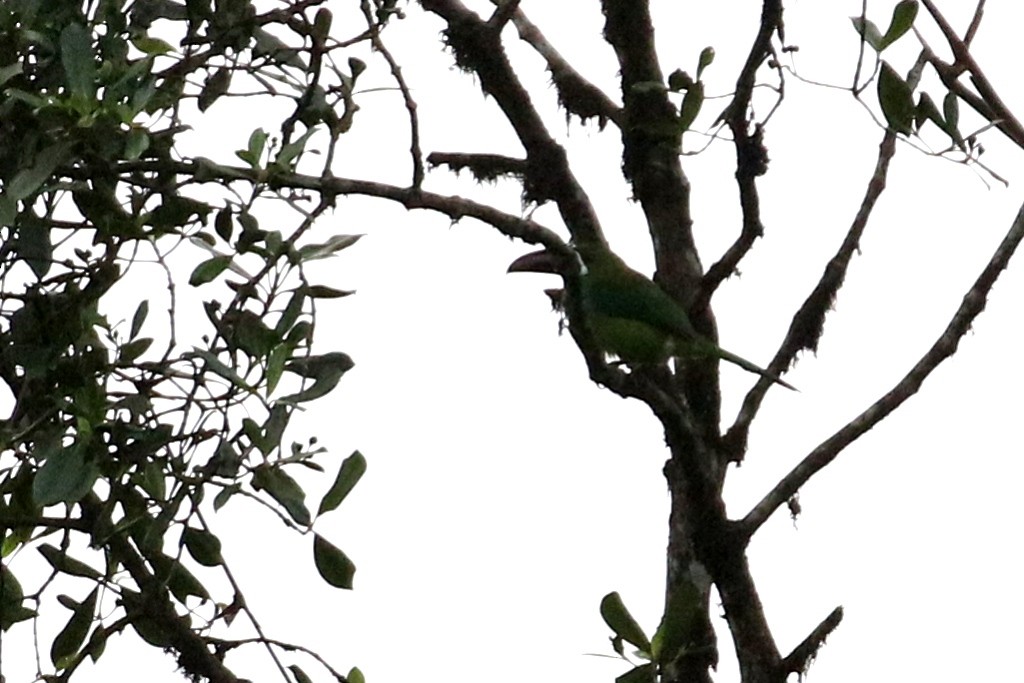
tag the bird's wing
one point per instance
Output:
(629, 295)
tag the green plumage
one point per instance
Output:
(631, 317)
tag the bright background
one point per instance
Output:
(506, 494)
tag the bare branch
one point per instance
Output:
(504, 12)
(579, 96)
(972, 30)
(945, 346)
(410, 104)
(751, 155)
(808, 323)
(484, 167)
(455, 208)
(477, 48)
(799, 660)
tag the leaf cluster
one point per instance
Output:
(133, 416)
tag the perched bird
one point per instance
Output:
(629, 315)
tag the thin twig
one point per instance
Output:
(410, 104)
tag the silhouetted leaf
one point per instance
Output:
(350, 472)
(71, 637)
(203, 546)
(216, 85)
(896, 100)
(621, 622)
(60, 561)
(77, 58)
(903, 16)
(65, 477)
(208, 270)
(284, 490)
(867, 30)
(333, 565)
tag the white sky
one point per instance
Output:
(506, 494)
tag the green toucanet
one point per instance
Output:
(629, 315)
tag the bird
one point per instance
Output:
(629, 316)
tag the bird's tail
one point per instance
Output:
(751, 367)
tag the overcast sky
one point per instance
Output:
(506, 494)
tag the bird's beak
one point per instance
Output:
(542, 261)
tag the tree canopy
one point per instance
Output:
(161, 296)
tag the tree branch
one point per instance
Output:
(998, 113)
(477, 48)
(579, 96)
(751, 156)
(808, 323)
(799, 660)
(945, 346)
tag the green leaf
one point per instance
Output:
(679, 80)
(325, 292)
(10, 71)
(869, 32)
(325, 371)
(221, 499)
(152, 479)
(693, 100)
(136, 144)
(284, 490)
(203, 546)
(951, 109)
(270, 46)
(209, 270)
(707, 55)
(216, 85)
(321, 25)
(292, 311)
(311, 252)
(645, 673)
(27, 181)
(927, 111)
(292, 149)
(333, 565)
(253, 152)
(896, 99)
(71, 637)
(299, 674)
(11, 597)
(152, 46)
(903, 16)
(681, 623)
(349, 473)
(181, 582)
(273, 430)
(60, 561)
(65, 477)
(130, 352)
(77, 58)
(249, 334)
(275, 365)
(621, 622)
(139, 317)
(8, 210)
(216, 366)
(97, 643)
(150, 629)
(34, 245)
(223, 224)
